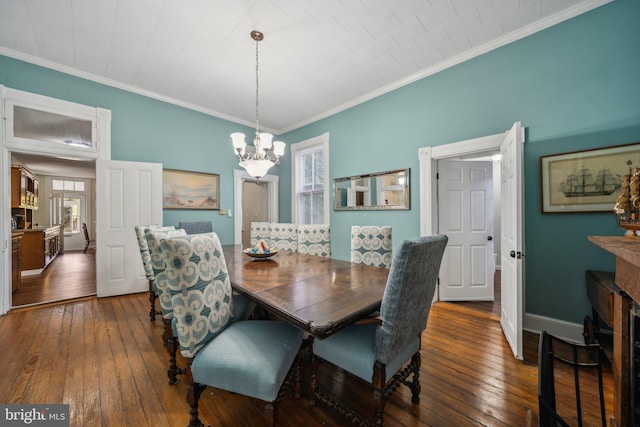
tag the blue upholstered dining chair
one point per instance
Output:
(314, 239)
(371, 245)
(243, 305)
(385, 351)
(196, 227)
(284, 236)
(249, 357)
(260, 231)
(146, 263)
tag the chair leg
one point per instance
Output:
(415, 383)
(153, 295)
(171, 343)
(269, 414)
(173, 371)
(152, 304)
(193, 396)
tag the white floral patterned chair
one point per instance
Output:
(153, 237)
(371, 245)
(284, 236)
(314, 239)
(146, 263)
(251, 357)
(260, 231)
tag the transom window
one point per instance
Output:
(67, 185)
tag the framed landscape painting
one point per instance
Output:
(586, 181)
(190, 190)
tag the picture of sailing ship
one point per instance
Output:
(584, 184)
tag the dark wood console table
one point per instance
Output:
(627, 252)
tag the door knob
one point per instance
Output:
(490, 238)
(513, 254)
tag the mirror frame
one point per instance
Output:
(405, 198)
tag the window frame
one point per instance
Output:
(301, 148)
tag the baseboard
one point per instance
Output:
(560, 328)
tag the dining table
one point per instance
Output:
(318, 294)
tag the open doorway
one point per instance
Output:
(66, 194)
(510, 145)
(259, 196)
(468, 198)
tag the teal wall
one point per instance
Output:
(574, 86)
(147, 130)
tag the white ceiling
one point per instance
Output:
(317, 58)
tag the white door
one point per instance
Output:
(255, 207)
(512, 241)
(465, 215)
(127, 194)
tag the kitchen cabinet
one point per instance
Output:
(24, 195)
(16, 260)
(40, 247)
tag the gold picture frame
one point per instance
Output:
(585, 181)
(190, 190)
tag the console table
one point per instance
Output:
(627, 252)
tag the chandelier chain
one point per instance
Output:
(257, 92)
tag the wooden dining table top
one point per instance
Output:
(319, 295)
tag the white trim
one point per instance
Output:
(127, 87)
(542, 24)
(295, 149)
(102, 150)
(560, 328)
(239, 177)
(428, 156)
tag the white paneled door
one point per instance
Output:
(127, 194)
(512, 241)
(465, 213)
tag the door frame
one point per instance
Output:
(428, 160)
(102, 121)
(239, 177)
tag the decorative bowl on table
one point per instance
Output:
(258, 254)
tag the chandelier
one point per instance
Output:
(257, 160)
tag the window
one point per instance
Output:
(310, 183)
(68, 198)
(71, 214)
(67, 185)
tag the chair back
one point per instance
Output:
(284, 236)
(153, 237)
(201, 293)
(196, 227)
(557, 357)
(407, 297)
(314, 239)
(371, 245)
(144, 247)
(260, 231)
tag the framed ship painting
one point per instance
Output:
(585, 181)
(190, 190)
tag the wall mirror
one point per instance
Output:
(374, 191)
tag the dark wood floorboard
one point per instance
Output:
(106, 360)
(492, 307)
(70, 275)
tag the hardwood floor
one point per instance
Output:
(70, 275)
(488, 306)
(105, 359)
